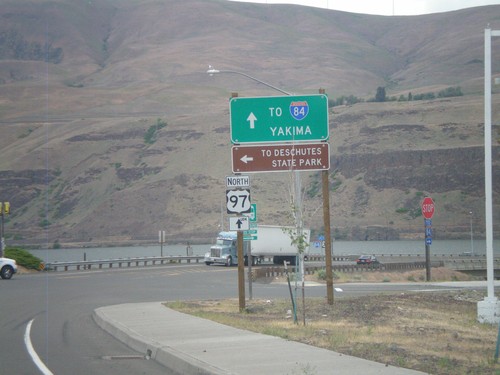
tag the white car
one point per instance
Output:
(8, 267)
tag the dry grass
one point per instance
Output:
(437, 274)
(434, 332)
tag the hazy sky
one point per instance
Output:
(386, 7)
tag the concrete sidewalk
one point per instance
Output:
(190, 345)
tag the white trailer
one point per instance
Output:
(275, 242)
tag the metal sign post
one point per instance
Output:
(161, 238)
(241, 271)
(238, 202)
(427, 212)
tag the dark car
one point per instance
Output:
(367, 259)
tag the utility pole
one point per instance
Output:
(328, 236)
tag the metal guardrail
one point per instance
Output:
(120, 263)
(278, 271)
(461, 263)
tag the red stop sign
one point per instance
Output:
(428, 208)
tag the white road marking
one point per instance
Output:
(31, 351)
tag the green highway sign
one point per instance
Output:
(251, 234)
(279, 119)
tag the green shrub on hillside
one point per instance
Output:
(23, 258)
(152, 132)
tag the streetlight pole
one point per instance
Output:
(488, 310)
(213, 71)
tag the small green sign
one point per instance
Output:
(279, 119)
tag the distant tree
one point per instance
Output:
(410, 97)
(14, 46)
(344, 100)
(425, 96)
(380, 95)
(449, 92)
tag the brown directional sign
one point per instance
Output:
(281, 157)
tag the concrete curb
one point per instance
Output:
(169, 357)
(193, 346)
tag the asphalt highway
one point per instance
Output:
(56, 309)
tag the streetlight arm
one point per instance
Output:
(213, 71)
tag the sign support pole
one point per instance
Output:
(427, 262)
(328, 243)
(249, 260)
(241, 260)
(428, 208)
(328, 235)
(241, 271)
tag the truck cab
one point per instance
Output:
(225, 250)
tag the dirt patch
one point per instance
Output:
(373, 275)
(23, 270)
(433, 332)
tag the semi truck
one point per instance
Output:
(272, 242)
(276, 242)
(225, 250)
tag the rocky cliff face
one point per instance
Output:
(435, 171)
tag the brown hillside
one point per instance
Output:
(112, 130)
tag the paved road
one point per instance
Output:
(66, 338)
(61, 304)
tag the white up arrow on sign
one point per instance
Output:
(251, 118)
(239, 223)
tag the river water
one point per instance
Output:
(339, 248)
